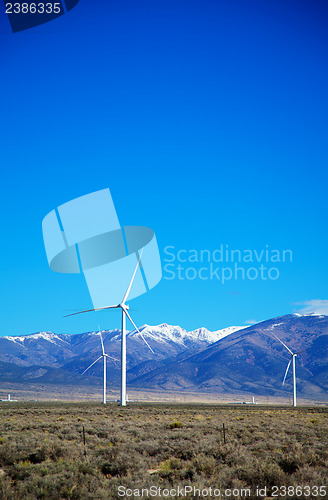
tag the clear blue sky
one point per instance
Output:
(207, 119)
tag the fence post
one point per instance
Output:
(83, 434)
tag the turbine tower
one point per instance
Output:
(292, 360)
(104, 356)
(125, 314)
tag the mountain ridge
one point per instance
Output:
(253, 359)
(233, 359)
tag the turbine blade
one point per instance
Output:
(91, 365)
(300, 352)
(90, 310)
(102, 343)
(111, 357)
(287, 371)
(283, 344)
(135, 326)
(130, 284)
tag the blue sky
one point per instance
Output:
(208, 122)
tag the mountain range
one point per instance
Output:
(252, 360)
(235, 359)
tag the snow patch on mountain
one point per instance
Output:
(272, 327)
(49, 336)
(165, 333)
(318, 315)
(162, 334)
(227, 331)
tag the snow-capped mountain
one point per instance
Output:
(73, 352)
(253, 360)
(48, 336)
(166, 334)
(242, 359)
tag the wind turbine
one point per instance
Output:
(124, 307)
(104, 356)
(292, 360)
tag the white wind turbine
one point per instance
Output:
(124, 307)
(292, 359)
(104, 356)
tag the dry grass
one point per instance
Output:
(42, 452)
